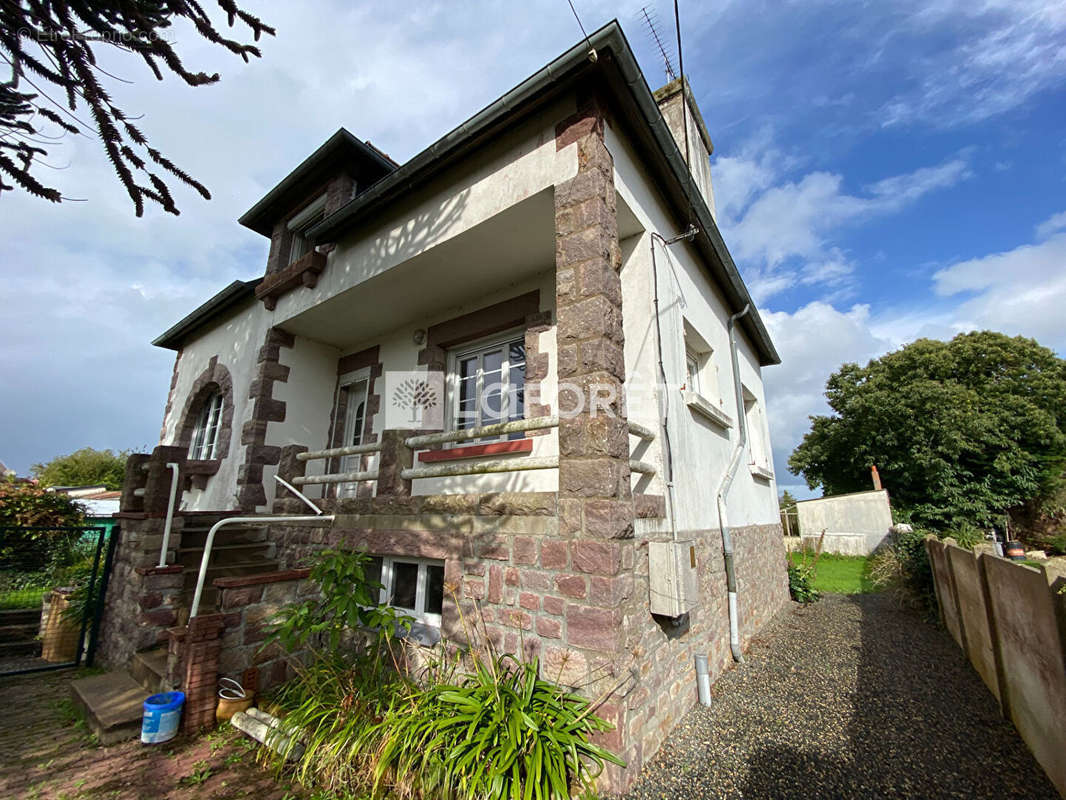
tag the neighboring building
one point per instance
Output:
(521, 257)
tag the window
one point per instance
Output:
(692, 361)
(300, 224)
(354, 389)
(413, 585)
(487, 383)
(701, 371)
(205, 435)
(753, 418)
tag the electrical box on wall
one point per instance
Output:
(673, 577)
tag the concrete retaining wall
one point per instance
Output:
(1010, 620)
(854, 524)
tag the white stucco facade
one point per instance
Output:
(479, 233)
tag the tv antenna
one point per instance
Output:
(652, 22)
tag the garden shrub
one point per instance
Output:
(799, 583)
(902, 568)
(471, 724)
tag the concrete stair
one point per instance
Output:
(113, 703)
(18, 632)
(237, 551)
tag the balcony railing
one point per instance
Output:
(338, 477)
(483, 466)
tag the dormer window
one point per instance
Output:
(300, 224)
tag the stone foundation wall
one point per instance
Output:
(246, 606)
(664, 686)
(142, 599)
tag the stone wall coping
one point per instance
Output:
(453, 523)
(239, 581)
(170, 569)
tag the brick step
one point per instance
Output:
(149, 669)
(224, 554)
(20, 616)
(20, 633)
(24, 648)
(113, 705)
(197, 537)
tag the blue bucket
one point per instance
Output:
(162, 713)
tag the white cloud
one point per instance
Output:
(1053, 224)
(813, 342)
(979, 59)
(783, 230)
(1020, 291)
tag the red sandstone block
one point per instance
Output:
(474, 588)
(596, 557)
(592, 628)
(553, 554)
(516, 619)
(529, 601)
(549, 628)
(495, 594)
(537, 581)
(554, 605)
(571, 586)
(525, 550)
(511, 576)
(243, 596)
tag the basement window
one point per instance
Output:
(414, 586)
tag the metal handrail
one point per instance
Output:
(195, 607)
(641, 432)
(174, 468)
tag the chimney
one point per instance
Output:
(876, 477)
(669, 99)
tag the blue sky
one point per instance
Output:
(883, 171)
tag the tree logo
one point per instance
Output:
(416, 400)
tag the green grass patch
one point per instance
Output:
(15, 599)
(839, 574)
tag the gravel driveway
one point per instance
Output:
(848, 698)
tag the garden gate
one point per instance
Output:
(53, 581)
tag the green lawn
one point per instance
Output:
(839, 574)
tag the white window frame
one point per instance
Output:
(388, 574)
(479, 348)
(204, 446)
(310, 216)
(347, 380)
(755, 420)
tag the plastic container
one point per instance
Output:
(162, 713)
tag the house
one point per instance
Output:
(521, 369)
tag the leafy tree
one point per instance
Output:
(26, 504)
(960, 431)
(85, 467)
(57, 46)
(786, 502)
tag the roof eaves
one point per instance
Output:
(607, 40)
(334, 145)
(237, 291)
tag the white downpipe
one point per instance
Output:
(174, 468)
(195, 608)
(723, 489)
